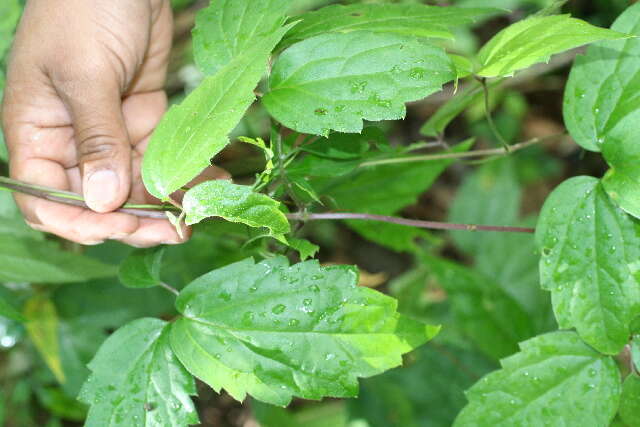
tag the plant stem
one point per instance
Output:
(432, 225)
(170, 288)
(487, 111)
(158, 211)
(464, 155)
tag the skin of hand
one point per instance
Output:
(84, 93)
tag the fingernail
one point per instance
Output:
(172, 242)
(93, 242)
(119, 236)
(101, 190)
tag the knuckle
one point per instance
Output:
(97, 145)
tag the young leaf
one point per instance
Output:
(227, 28)
(600, 101)
(191, 133)
(141, 269)
(414, 20)
(534, 40)
(236, 203)
(556, 379)
(305, 248)
(137, 381)
(42, 326)
(27, 260)
(590, 251)
(337, 80)
(630, 400)
(491, 318)
(275, 331)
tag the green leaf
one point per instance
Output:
(621, 182)
(10, 11)
(27, 260)
(191, 133)
(600, 101)
(427, 391)
(490, 317)
(556, 380)
(236, 203)
(489, 196)
(635, 351)
(11, 220)
(590, 251)
(42, 326)
(60, 404)
(274, 331)
(137, 381)
(384, 189)
(337, 80)
(413, 20)
(141, 269)
(332, 413)
(630, 401)
(9, 311)
(305, 248)
(227, 28)
(396, 237)
(534, 40)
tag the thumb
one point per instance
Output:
(103, 146)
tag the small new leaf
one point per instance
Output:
(149, 387)
(276, 331)
(236, 203)
(414, 20)
(141, 269)
(590, 251)
(555, 380)
(534, 40)
(337, 80)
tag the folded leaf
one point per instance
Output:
(407, 19)
(601, 100)
(137, 381)
(555, 380)
(235, 203)
(534, 40)
(191, 133)
(275, 331)
(337, 80)
(590, 251)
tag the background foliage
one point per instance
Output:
(70, 314)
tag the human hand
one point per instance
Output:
(84, 92)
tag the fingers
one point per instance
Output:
(152, 232)
(104, 149)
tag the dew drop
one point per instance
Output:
(279, 309)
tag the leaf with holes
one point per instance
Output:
(276, 331)
(415, 20)
(337, 80)
(534, 40)
(590, 251)
(149, 386)
(235, 203)
(556, 379)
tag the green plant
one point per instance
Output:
(252, 322)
